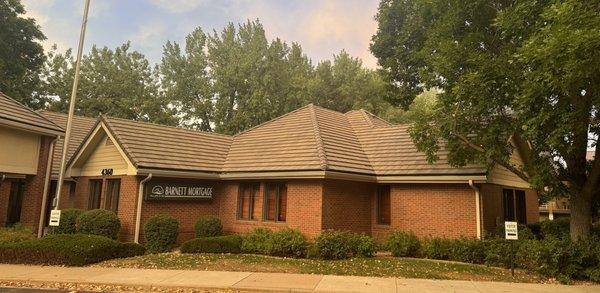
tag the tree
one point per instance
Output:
(117, 83)
(21, 54)
(186, 81)
(505, 69)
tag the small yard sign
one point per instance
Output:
(511, 232)
(54, 218)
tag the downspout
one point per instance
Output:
(46, 188)
(477, 207)
(138, 215)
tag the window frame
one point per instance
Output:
(514, 200)
(110, 198)
(255, 189)
(378, 195)
(277, 216)
(91, 204)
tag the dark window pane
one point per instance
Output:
(282, 207)
(246, 201)
(521, 207)
(508, 201)
(113, 188)
(95, 193)
(383, 205)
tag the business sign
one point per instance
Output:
(176, 190)
(511, 230)
(54, 218)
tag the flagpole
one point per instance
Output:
(63, 160)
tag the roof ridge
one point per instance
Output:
(319, 140)
(167, 126)
(272, 120)
(134, 160)
(64, 114)
(31, 110)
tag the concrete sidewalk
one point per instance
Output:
(263, 281)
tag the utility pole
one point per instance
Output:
(63, 161)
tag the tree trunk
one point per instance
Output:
(581, 215)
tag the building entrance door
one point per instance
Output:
(15, 202)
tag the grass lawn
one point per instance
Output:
(381, 266)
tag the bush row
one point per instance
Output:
(94, 222)
(67, 249)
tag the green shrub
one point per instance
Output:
(15, 234)
(217, 244)
(99, 222)
(558, 228)
(334, 244)
(60, 249)
(208, 226)
(498, 252)
(130, 249)
(68, 221)
(404, 244)
(438, 248)
(257, 241)
(161, 233)
(362, 245)
(287, 242)
(469, 250)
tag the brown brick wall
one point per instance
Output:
(347, 205)
(33, 190)
(446, 210)
(493, 211)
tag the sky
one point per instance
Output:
(322, 28)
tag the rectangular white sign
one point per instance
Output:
(54, 218)
(511, 230)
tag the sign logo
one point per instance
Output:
(176, 190)
(158, 190)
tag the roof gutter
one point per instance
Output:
(45, 194)
(138, 215)
(477, 207)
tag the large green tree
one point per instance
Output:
(119, 83)
(505, 68)
(21, 54)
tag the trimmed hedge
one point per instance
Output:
(257, 241)
(334, 244)
(130, 249)
(161, 233)
(99, 222)
(208, 226)
(287, 242)
(68, 221)
(64, 249)
(404, 244)
(15, 235)
(217, 244)
(558, 228)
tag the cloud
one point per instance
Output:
(179, 6)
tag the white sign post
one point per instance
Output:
(54, 218)
(511, 230)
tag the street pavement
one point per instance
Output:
(263, 281)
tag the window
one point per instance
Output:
(275, 204)
(513, 202)
(94, 196)
(246, 200)
(15, 202)
(113, 187)
(383, 205)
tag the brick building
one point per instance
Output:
(311, 169)
(26, 144)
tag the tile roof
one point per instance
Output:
(310, 138)
(391, 151)
(79, 130)
(151, 145)
(14, 113)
